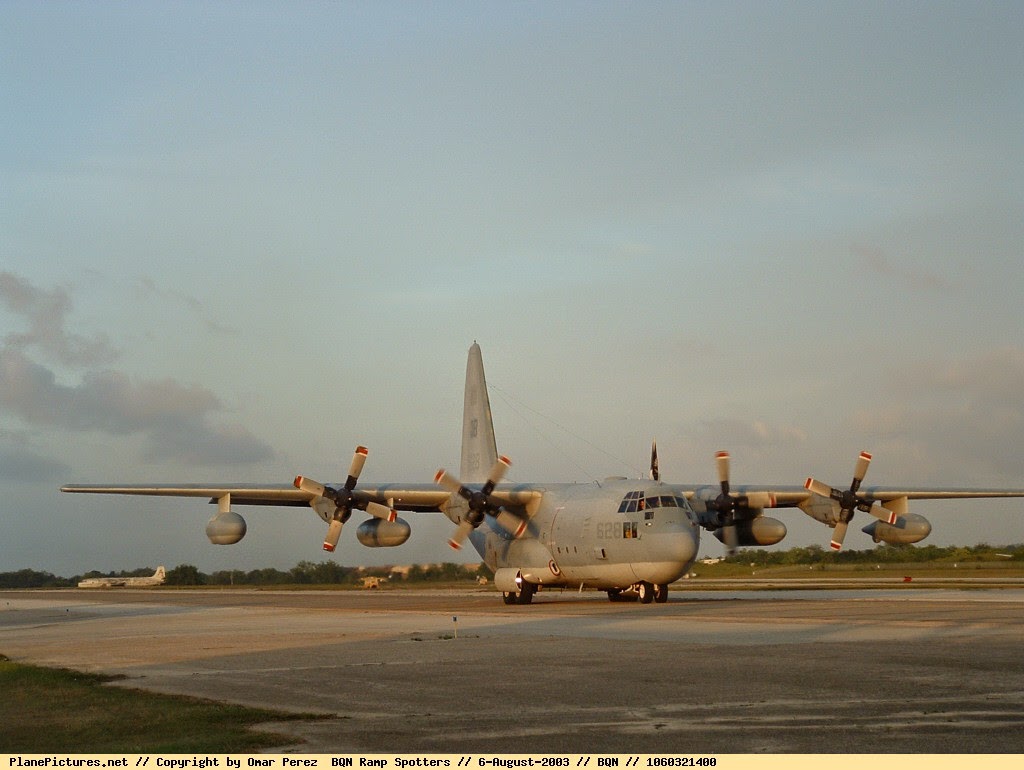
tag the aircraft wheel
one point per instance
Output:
(509, 597)
(615, 595)
(661, 593)
(646, 591)
(527, 592)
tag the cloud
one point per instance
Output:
(20, 463)
(46, 313)
(176, 420)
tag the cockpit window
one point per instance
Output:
(636, 501)
(632, 502)
(663, 501)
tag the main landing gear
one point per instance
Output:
(644, 591)
(523, 596)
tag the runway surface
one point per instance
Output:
(862, 671)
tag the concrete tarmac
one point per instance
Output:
(456, 671)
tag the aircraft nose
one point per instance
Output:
(678, 544)
(688, 545)
(670, 554)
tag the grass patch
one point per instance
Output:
(55, 709)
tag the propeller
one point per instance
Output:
(655, 473)
(480, 503)
(849, 501)
(344, 499)
(727, 505)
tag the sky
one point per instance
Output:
(239, 239)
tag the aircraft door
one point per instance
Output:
(548, 531)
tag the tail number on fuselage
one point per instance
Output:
(613, 530)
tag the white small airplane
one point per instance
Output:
(631, 538)
(156, 579)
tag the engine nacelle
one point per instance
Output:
(226, 528)
(378, 533)
(764, 530)
(909, 528)
(508, 580)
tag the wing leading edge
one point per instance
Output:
(405, 497)
(792, 496)
(418, 498)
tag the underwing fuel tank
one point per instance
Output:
(379, 533)
(764, 530)
(909, 528)
(226, 528)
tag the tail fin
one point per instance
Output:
(479, 450)
(160, 573)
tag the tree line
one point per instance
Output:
(332, 573)
(303, 573)
(882, 554)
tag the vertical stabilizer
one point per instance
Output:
(479, 451)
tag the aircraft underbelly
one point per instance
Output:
(599, 575)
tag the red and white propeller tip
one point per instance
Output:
(480, 503)
(343, 498)
(358, 461)
(850, 501)
(333, 534)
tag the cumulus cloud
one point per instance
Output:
(176, 420)
(46, 314)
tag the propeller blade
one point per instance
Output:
(818, 487)
(333, 533)
(498, 471)
(444, 479)
(861, 470)
(722, 462)
(726, 505)
(381, 511)
(308, 485)
(731, 539)
(461, 533)
(655, 473)
(511, 523)
(760, 500)
(358, 460)
(879, 511)
(839, 535)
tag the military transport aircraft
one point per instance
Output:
(631, 538)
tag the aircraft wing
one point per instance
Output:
(404, 497)
(884, 494)
(791, 496)
(421, 498)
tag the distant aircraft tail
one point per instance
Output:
(161, 573)
(479, 450)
